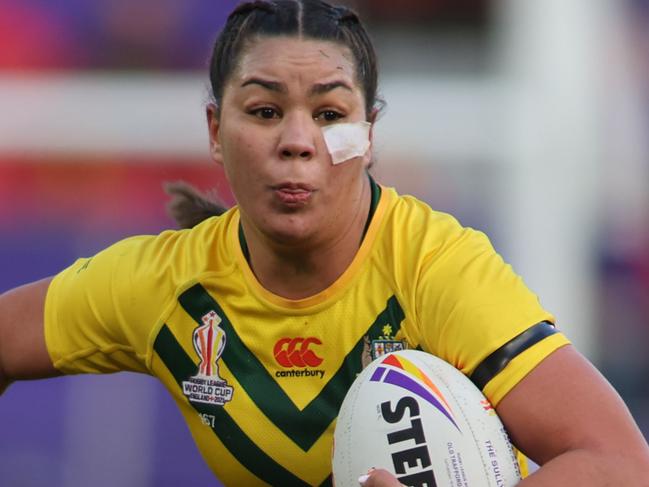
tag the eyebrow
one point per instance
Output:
(322, 88)
(269, 85)
(316, 89)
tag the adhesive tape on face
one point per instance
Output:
(347, 140)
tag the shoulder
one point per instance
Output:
(199, 238)
(429, 252)
(173, 255)
(411, 223)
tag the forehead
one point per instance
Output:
(291, 57)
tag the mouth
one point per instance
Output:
(293, 194)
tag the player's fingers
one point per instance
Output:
(377, 477)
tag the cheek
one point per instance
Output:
(349, 172)
(238, 142)
(241, 153)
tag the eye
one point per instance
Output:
(267, 113)
(328, 116)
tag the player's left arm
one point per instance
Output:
(567, 418)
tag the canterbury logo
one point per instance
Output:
(296, 352)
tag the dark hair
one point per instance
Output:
(312, 19)
(189, 206)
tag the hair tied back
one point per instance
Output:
(346, 15)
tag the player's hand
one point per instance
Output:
(377, 477)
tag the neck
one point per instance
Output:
(297, 272)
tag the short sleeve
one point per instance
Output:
(99, 312)
(471, 303)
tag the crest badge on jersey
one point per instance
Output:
(207, 386)
(374, 348)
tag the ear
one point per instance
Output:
(373, 115)
(368, 157)
(213, 126)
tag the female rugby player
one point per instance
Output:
(258, 320)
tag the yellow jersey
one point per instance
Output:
(260, 378)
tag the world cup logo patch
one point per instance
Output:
(207, 386)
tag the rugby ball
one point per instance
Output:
(422, 419)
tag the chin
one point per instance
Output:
(290, 231)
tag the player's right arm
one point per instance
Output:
(23, 354)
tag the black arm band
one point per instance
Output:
(497, 361)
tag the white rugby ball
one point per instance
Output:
(422, 419)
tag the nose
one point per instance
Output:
(297, 139)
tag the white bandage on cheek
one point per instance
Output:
(347, 140)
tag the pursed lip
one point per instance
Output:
(293, 187)
(292, 193)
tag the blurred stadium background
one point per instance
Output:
(527, 120)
